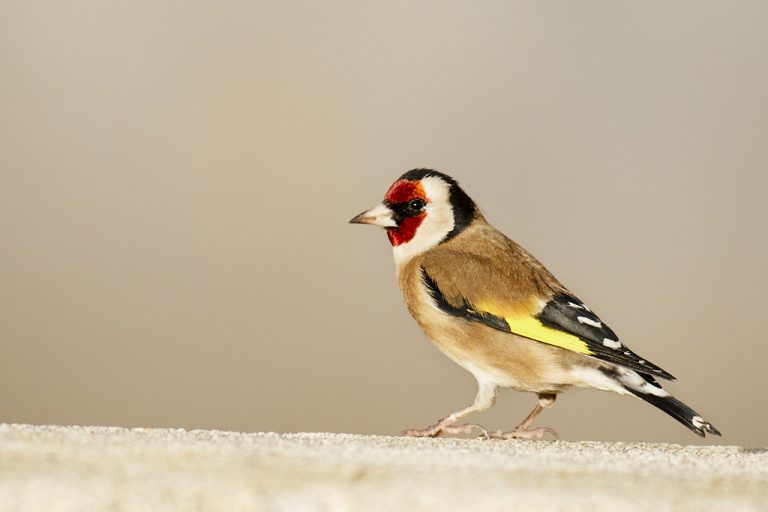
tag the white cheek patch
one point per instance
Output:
(436, 225)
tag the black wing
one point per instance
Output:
(568, 314)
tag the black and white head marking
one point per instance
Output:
(449, 210)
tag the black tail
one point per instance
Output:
(679, 411)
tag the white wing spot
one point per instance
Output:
(608, 342)
(697, 421)
(627, 353)
(589, 321)
(642, 361)
(575, 306)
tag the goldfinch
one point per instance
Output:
(491, 307)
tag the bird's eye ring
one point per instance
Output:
(416, 204)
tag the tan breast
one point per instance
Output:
(503, 358)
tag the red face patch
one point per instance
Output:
(401, 192)
(406, 231)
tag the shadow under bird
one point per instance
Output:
(490, 306)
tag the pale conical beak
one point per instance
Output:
(379, 215)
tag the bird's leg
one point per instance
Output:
(522, 431)
(486, 397)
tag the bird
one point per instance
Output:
(494, 309)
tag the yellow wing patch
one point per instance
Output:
(524, 323)
(531, 327)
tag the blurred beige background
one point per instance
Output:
(176, 180)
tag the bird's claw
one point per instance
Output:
(420, 432)
(535, 433)
(451, 430)
(467, 429)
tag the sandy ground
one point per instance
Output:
(94, 468)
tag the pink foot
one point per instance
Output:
(535, 433)
(451, 430)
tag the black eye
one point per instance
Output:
(416, 204)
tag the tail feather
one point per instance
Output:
(679, 411)
(644, 386)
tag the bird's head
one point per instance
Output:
(421, 209)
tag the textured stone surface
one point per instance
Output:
(95, 468)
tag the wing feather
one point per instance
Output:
(520, 296)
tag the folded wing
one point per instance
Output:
(538, 310)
